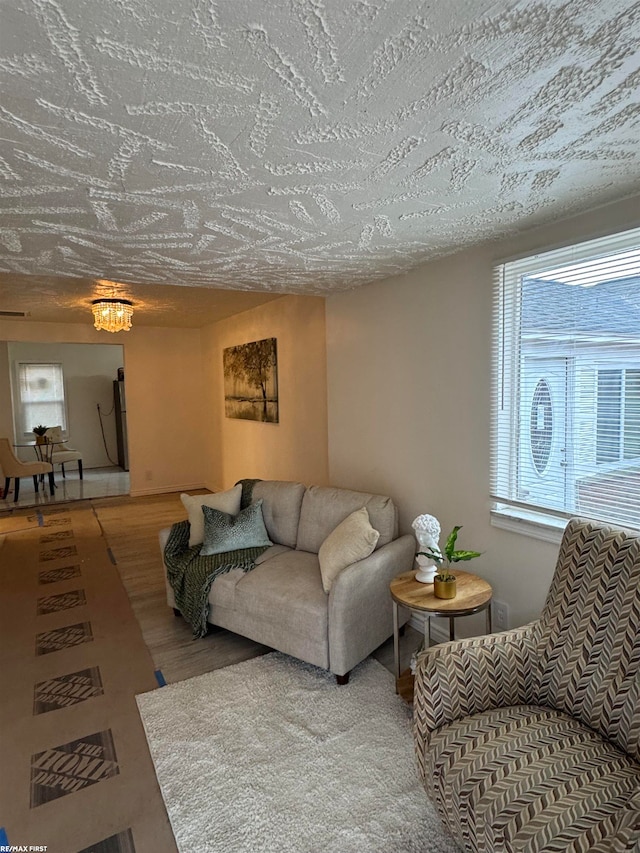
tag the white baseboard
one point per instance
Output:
(159, 490)
(439, 627)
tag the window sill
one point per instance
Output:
(548, 528)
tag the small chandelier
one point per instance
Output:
(112, 315)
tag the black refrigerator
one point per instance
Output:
(120, 402)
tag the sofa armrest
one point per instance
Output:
(464, 677)
(360, 612)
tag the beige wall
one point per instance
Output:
(165, 412)
(409, 378)
(296, 447)
(164, 398)
(179, 438)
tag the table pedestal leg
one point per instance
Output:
(452, 628)
(396, 641)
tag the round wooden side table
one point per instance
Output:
(473, 595)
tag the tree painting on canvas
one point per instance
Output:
(251, 381)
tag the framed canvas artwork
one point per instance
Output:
(251, 381)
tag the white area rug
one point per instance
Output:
(271, 755)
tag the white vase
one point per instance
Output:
(426, 574)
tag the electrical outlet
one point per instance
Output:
(500, 615)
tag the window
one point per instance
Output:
(618, 415)
(41, 396)
(566, 383)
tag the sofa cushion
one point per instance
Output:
(223, 589)
(529, 778)
(224, 532)
(273, 551)
(281, 503)
(228, 501)
(352, 540)
(324, 507)
(287, 591)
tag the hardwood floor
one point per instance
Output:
(131, 527)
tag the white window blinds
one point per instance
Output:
(566, 382)
(41, 390)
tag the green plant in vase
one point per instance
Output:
(444, 583)
(39, 432)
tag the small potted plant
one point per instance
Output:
(444, 583)
(39, 432)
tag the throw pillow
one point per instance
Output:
(352, 540)
(228, 501)
(224, 532)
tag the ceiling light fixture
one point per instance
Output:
(112, 315)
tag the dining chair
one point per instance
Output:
(61, 452)
(12, 467)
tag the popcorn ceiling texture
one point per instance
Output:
(303, 146)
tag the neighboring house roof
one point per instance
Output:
(608, 309)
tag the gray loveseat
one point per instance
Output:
(281, 602)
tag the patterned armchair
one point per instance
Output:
(529, 740)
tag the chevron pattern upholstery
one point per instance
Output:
(529, 740)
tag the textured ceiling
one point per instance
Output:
(301, 146)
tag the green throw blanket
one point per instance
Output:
(191, 575)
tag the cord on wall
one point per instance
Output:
(104, 439)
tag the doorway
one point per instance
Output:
(87, 412)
